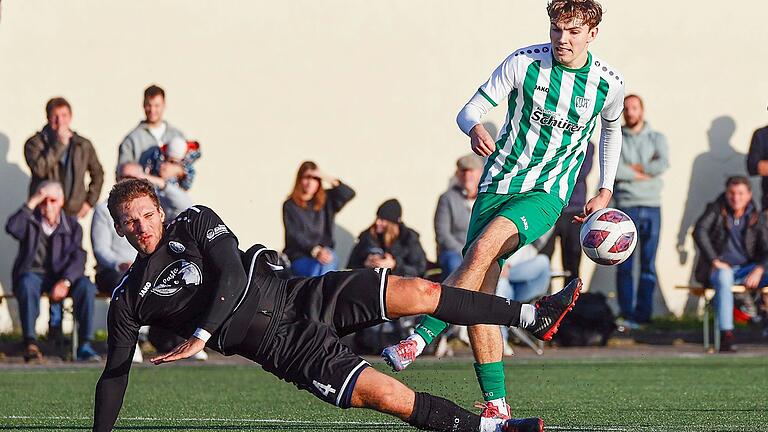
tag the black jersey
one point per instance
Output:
(174, 287)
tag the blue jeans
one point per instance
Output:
(722, 281)
(526, 281)
(639, 308)
(449, 261)
(30, 287)
(309, 267)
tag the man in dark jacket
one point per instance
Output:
(59, 154)
(732, 238)
(757, 160)
(51, 259)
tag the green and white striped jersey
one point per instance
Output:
(552, 111)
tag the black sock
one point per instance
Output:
(464, 307)
(438, 414)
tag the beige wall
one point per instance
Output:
(369, 90)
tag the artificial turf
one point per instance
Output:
(715, 393)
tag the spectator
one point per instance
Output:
(565, 229)
(151, 133)
(732, 238)
(57, 153)
(389, 243)
(453, 211)
(757, 161)
(51, 259)
(308, 216)
(637, 192)
(180, 152)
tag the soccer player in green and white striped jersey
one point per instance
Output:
(555, 94)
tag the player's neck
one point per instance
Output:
(579, 62)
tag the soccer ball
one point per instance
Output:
(608, 236)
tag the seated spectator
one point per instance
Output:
(732, 238)
(308, 217)
(453, 211)
(149, 134)
(179, 152)
(389, 243)
(51, 259)
(57, 153)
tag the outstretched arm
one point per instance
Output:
(123, 332)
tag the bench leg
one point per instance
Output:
(716, 331)
(706, 325)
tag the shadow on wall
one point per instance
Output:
(13, 190)
(710, 171)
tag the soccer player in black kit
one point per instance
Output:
(191, 278)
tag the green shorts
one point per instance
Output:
(533, 212)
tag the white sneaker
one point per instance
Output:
(137, 356)
(201, 356)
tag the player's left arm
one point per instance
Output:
(222, 257)
(610, 153)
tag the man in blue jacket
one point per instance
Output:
(52, 260)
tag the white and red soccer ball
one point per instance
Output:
(608, 236)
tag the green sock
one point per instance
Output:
(491, 379)
(429, 328)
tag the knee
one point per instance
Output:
(28, 285)
(483, 250)
(83, 287)
(429, 292)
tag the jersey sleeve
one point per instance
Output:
(207, 228)
(501, 82)
(614, 105)
(122, 327)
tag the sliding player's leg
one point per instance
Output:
(382, 393)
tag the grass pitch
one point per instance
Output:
(715, 393)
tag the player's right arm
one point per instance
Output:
(121, 341)
(490, 94)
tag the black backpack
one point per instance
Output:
(590, 323)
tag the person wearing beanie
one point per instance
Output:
(389, 243)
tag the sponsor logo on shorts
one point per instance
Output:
(215, 232)
(325, 389)
(525, 223)
(176, 247)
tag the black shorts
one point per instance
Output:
(306, 349)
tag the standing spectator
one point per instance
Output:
(565, 229)
(150, 133)
(308, 216)
(757, 161)
(389, 243)
(57, 153)
(637, 192)
(732, 238)
(51, 259)
(453, 210)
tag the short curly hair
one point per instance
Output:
(587, 12)
(127, 190)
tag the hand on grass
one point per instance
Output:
(187, 349)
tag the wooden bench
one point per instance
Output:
(68, 309)
(708, 293)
